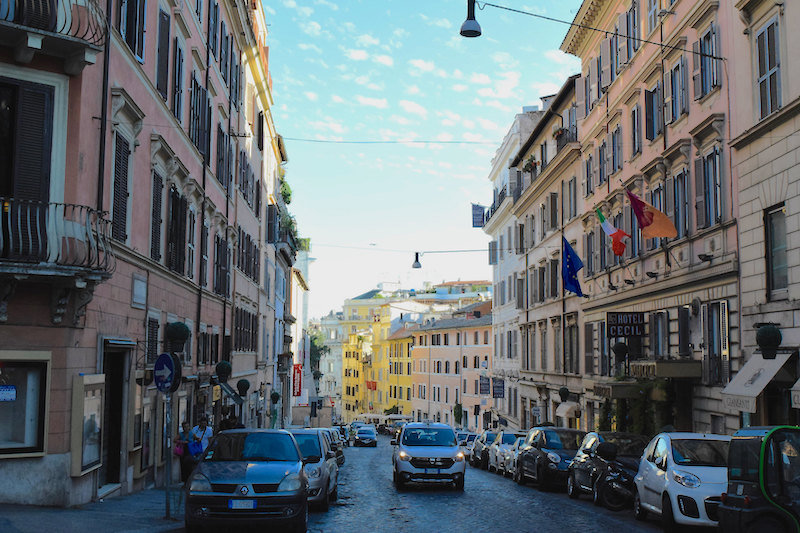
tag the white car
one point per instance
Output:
(509, 464)
(681, 478)
(498, 448)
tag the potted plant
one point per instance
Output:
(176, 334)
(286, 192)
(531, 164)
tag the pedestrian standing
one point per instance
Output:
(186, 459)
(200, 435)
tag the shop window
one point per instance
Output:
(23, 400)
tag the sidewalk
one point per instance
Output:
(143, 511)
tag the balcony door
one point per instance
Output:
(26, 135)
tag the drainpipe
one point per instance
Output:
(101, 167)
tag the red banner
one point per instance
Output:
(297, 380)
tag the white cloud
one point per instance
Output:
(412, 89)
(325, 3)
(488, 124)
(560, 58)
(480, 78)
(305, 11)
(362, 80)
(503, 87)
(375, 86)
(460, 87)
(337, 99)
(384, 60)
(366, 40)
(400, 32)
(399, 119)
(290, 4)
(497, 105)
(356, 55)
(329, 124)
(311, 28)
(504, 60)
(311, 96)
(420, 65)
(349, 27)
(307, 46)
(413, 108)
(440, 23)
(544, 88)
(469, 124)
(457, 74)
(380, 103)
(456, 42)
(444, 137)
(473, 137)
(269, 10)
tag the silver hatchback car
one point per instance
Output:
(428, 453)
(319, 463)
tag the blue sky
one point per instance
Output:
(391, 70)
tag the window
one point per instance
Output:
(213, 27)
(716, 355)
(601, 165)
(675, 98)
(573, 197)
(657, 201)
(706, 73)
(204, 229)
(543, 351)
(162, 60)
(769, 84)
(709, 189)
(155, 224)
(221, 266)
(177, 81)
(659, 334)
(176, 231)
(588, 246)
(571, 350)
(588, 174)
(616, 149)
(223, 151)
(131, 25)
(653, 7)
(653, 113)
(152, 340)
(190, 240)
(200, 117)
(485, 337)
(119, 213)
(777, 269)
(23, 403)
(636, 129)
(633, 29)
(245, 330)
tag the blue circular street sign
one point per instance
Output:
(167, 373)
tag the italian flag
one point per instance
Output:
(616, 234)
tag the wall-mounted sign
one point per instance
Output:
(625, 324)
(297, 380)
(8, 393)
(498, 388)
(484, 385)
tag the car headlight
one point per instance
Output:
(459, 457)
(314, 472)
(686, 479)
(404, 456)
(554, 457)
(200, 483)
(290, 483)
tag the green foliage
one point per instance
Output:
(318, 349)
(458, 412)
(392, 410)
(286, 192)
(177, 331)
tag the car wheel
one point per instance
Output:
(572, 488)
(398, 482)
(639, 512)
(519, 477)
(596, 490)
(541, 481)
(302, 524)
(325, 504)
(484, 461)
(335, 493)
(667, 516)
(459, 485)
(611, 499)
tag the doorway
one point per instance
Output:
(113, 367)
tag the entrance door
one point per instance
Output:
(113, 367)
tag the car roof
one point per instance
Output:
(305, 431)
(689, 435)
(573, 430)
(412, 425)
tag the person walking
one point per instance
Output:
(182, 443)
(200, 434)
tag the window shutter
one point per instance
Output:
(620, 147)
(622, 38)
(626, 217)
(520, 293)
(684, 87)
(700, 194)
(667, 105)
(697, 70)
(588, 348)
(152, 340)
(554, 275)
(652, 334)
(596, 162)
(162, 69)
(120, 208)
(553, 210)
(649, 125)
(605, 62)
(177, 81)
(183, 213)
(659, 104)
(634, 29)
(683, 332)
(725, 355)
(580, 97)
(155, 230)
(716, 64)
(592, 97)
(669, 189)
(586, 259)
(704, 327)
(609, 160)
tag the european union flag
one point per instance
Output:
(570, 265)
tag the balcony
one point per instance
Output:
(73, 30)
(287, 245)
(566, 136)
(64, 245)
(501, 195)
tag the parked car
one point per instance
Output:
(681, 477)
(763, 491)
(251, 478)
(428, 453)
(366, 436)
(480, 449)
(547, 454)
(338, 445)
(351, 430)
(465, 440)
(605, 466)
(497, 449)
(320, 466)
(510, 457)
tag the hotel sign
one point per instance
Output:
(625, 324)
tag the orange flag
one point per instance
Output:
(653, 222)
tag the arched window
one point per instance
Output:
(464, 362)
(456, 365)
(447, 367)
(476, 362)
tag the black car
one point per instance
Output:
(546, 455)
(605, 466)
(480, 449)
(365, 436)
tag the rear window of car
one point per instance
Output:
(308, 444)
(429, 437)
(471, 438)
(367, 432)
(563, 440)
(700, 452)
(743, 458)
(509, 438)
(628, 446)
(490, 437)
(252, 447)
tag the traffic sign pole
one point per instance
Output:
(167, 372)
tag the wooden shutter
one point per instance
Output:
(223, 51)
(706, 376)
(177, 81)
(634, 31)
(152, 340)
(652, 334)
(683, 332)
(272, 223)
(592, 97)
(183, 212)
(622, 38)
(697, 70)
(669, 193)
(588, 348)
(155, 229)
(724, 352)
(620, 146)
(580, 96)
(260, 130)
(667, 104)
(700, 194)
(162, 69)
(598, 246)
(659, 103)
(605, 62)
(716, 64)
(649, 123)
(553, 210)
(119, 224)
(684, 96)
(626, 218)
(609, 153)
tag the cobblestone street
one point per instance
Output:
(368, 501)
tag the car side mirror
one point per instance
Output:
(661, 462)
(607, 451)
(393, 442)
(331, 454)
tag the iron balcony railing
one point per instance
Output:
(81, 19)
(55, 233)
(568, 135)
(501, 195)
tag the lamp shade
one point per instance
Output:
(470, 27)
(416, 263)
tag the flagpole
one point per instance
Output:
(563, 291)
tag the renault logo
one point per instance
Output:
(244, 490)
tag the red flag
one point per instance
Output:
(653, 222)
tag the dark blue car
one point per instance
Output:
(547, 454)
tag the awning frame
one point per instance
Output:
(750, 381)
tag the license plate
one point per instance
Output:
(241, 504)
(433, 470)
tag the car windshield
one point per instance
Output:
(508, 438)
(471, 438)
(628, 445)
(366, 432)
(743, 458)
(563, 440)
(252, 447)
(490, 437)
(700, 452)
(429, 437)
(308, 444)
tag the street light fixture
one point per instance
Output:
(470, 28)
(416, 263)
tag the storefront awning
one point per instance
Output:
(741, 393)
(568, 409)
(795, 390)
(232, 394)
